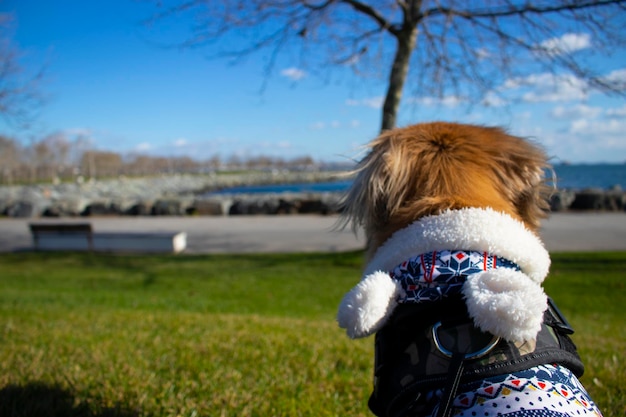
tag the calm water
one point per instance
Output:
(316, 187)
(590, 176)
(568, 176)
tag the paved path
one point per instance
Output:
(248, 234)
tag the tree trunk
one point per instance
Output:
(406, 39)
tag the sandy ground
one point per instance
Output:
(249, 234)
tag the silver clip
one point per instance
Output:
(470, 355)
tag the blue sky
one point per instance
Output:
(109, 81)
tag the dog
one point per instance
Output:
(452, 285)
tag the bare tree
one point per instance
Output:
(42, 161)
(466, 49)
(20, 96)
(101, 163)
(57, 157)
(9, 159)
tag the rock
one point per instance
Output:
(252, 207)
(312, 206)
(116, 208)
(206, 207)
(23, 209)
(52, 211)
(286, 207)
(141, 208)
(169, 207)
(270, 206)
(68, 206)
(589, 199)
(615, 199)
(562, 200)
(5, 203)
(241, 207)
(97, 209)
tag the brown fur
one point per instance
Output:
(427, 168)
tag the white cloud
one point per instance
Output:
(547, 87)
(335, 124)
(618, 78)
(580, 126)
(599, 127)
(143, 147)
(294, 74)
(372, 102)
(492, 99)
(78, 131)
(254, 148)
(447, 101)
(568, 43)
(180, 142)
(618, 112)
(483, 53)
(576, 112)
(588, 141)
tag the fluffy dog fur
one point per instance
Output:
(427, 168)
(433, 185)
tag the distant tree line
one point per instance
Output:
(55, 158)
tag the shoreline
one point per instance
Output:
(204, 195)
(161, 195)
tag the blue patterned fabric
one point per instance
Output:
(435, 275)
(542, 391)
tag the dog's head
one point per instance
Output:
(427, 168)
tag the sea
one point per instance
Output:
(567, 176)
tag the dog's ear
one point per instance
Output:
(521, 169)
(380, 184)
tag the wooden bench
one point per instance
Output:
(62, 236)
(81, 237)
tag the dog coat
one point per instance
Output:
(494, 267)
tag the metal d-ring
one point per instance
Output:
(470, 355)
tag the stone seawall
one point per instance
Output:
(187, 195)
(166, 195)
(613, 199)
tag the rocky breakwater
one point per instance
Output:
(195, 195)
(595, 199)
(166, 195)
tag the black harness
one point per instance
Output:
(423, 349)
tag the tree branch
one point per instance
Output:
(526, 8)
(373, 14)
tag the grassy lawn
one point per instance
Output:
(104, 335)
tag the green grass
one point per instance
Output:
(254, 335)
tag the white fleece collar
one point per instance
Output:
(483, 230)
(503, 302)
